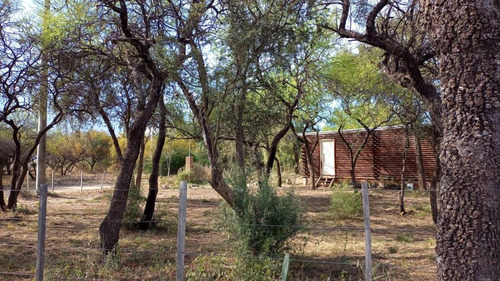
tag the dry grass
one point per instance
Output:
(403, 246)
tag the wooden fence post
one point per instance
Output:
(368, 237)
(81, 181)
(181, 231)
(42, 215)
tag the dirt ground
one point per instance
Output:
(329, 248)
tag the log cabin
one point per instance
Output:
(381, 160)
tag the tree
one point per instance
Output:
(309, 148)
(153, 178)
(363, 96)
(18, 76)
(408, 111)
(136, 35)
(65, 151)
(97, 146)
(6, 156)
(466, 36)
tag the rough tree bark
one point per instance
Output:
(466, 35)
(434, 191)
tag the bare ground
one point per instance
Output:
(403, 246)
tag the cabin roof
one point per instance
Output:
(355, 130)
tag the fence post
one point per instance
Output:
(368, 237)
(285, 268)
(181, 231)
(81, 181)
(52, 179)
(42, 215)
(102, 180)
(28, 182)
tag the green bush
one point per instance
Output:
(133, 211)
(222, 268)
(185, 176)
(199, 174)
(345, 204)
(406, 238)
(205, 268)
(262, 222)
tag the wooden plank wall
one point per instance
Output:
(381, 159)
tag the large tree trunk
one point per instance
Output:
(467, 35)
(434, 191)
(420, 163)
(146, 221)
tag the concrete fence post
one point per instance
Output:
(102, 180)
(368, 237)
(52, 179)
(181, 231)
(42, 219)
(81, 181)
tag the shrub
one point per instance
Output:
(209, 268)
(199, 174)
(133, 211)
(262, 223)
(222, 268)
(406, 238)
(346, 204)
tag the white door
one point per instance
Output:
(327, 150)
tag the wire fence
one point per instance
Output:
(72, 249)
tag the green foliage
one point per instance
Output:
(207, 268)
(185, 176)
(263, 222)
(361, 92)
(406, 238)
(393, 249)
(133, 211)
(174, 155)
(346, 204)
(97, 147)
(199, 174)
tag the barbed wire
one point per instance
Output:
(62, 223)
